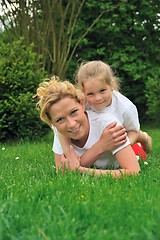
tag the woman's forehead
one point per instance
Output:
(63, 105)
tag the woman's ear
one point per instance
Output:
(82, 104)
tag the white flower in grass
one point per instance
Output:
(17, 158)
(145, 163)
(3, 148)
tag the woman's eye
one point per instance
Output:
(59, 120)
(89, 94)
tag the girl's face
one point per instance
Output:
(69, 118)
(98, 94)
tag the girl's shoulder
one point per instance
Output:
(119, 98)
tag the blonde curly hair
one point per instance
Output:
(96, 70)
(51, 91)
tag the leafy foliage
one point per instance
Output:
(20, 74)
(153, 95)
(123, 33)
(127, 37)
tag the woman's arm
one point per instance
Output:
(126, 158)
(112, 137)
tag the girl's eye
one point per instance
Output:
(74, 112)
(103, 90)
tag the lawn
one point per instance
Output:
(35, 203)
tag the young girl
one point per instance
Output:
(100, 87)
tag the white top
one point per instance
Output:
(124, 110)
(106, 160)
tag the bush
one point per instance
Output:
(20, 74)
(153, 95)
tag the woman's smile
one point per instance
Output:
(75, 130)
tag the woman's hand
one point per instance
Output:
(112, 137)
(71, 161)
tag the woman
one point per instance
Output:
(62, 106)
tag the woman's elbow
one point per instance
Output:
(135, 169)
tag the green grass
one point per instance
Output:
(37, 204)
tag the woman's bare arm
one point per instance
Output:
(126, 158)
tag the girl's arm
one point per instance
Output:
(58, 162)
(71, 162)
(133, 136)
(112, 137)
(65, 143)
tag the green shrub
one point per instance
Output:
(20, 74)
(153, 95)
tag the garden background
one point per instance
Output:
(42, 38)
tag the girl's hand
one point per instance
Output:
(71, 161)
(112, 137)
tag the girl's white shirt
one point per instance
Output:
(124, 110)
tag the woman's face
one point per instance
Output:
(69, 118)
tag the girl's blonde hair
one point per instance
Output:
(51, 91)
(96, 70)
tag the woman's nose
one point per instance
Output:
(70, 122)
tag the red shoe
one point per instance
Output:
(139, 151)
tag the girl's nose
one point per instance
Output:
(98, 97)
